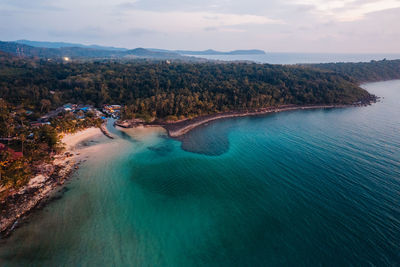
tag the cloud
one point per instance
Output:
(141, 31)
(360, 12)
(127, 5)
(180, 21)
(91, 33)
(29, 5)
(348, 10)
(273, 25)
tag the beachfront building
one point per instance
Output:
(14, 154)
(37, 124)
(112, 110)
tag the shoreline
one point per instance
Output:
(142, 133)
(103, 129)
(16, 207)
(183, 128)
(180, 128)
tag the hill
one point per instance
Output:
(161, 90)
(365, 71)
(23, 50)
(210, 52)
(63, 44)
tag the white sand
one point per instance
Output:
(141, 133)
(66, 162)
(71, 140)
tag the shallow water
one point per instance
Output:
(317, 187)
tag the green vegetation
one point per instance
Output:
(67, 123)
(365, 72)
(26, 146)
(35, 145)
(85, 53)
(159, 90)
(151, 91)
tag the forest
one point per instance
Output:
(154, 90)
(160, 90)
(25, 146)
(365, 71)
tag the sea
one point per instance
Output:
(298, 188)
(303, 58)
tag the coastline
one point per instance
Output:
(16, 207)
(180, 128)
(142, 133)
(103, 129)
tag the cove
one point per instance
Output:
(318, 187)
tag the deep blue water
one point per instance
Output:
(302, 188)
(297, 58)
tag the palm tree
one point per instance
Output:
(45, 105)
(22, 138)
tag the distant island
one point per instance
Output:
(211, 52)
(80, 51)
(99, 47)
(62, 50)
(64, 44)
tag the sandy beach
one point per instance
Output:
(142, 132)
(71, 140)
(19, 204)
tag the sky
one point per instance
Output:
(320, 26)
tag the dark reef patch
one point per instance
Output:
(210, 139)
(163, 149)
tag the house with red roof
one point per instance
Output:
(14, 154)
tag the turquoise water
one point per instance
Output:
(300, 188)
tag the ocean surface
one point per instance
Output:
(300, 188)
(298, 58)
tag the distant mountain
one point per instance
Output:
(24, 50)
(43, 52)
(142, 52)
(211, 52)
(42, 44)
(63, 44)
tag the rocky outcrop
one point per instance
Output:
(18, 204)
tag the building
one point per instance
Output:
(112, 110)
(14, 154)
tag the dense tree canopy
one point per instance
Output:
(160, 90)
(31, 87)
(365, 72)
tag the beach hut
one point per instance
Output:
(14, 154)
